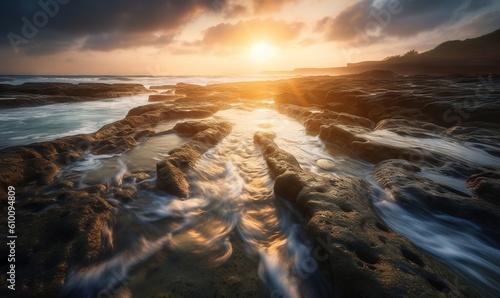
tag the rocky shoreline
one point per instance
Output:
(61, 224)
(39, 94)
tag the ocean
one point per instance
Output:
(22, 126)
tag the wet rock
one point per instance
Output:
(342, 108)
(326, 164)
(363, 257)
(411, 127)
(375, 152)
(171, 171)
(404, 181)
(36, 94)
(312, 97)
(56, 232)
(179, 88)
(171, 179)
(163, 97)
(343, 96)
(164, 111)
(314, 120)
(191, 127)
(349, 138)
(17, 170)
(340, 135)
(486, 186)
(40, 162)
(124, 195)
(289, 98)
(212, 97)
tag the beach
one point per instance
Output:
(366, 185)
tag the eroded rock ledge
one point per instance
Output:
(171, 171)
(37, 94)
(41, 162)
(60, 225)
(363, 256)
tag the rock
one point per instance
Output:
(377, 74)
(326, 164)
(343, 96)
(315, 120)
(411, 127)
(375, 152)
(171, 171)
(339, 135)
(40, 162)
(306, 99)
(314, 97)
(36, 94)
(163, 97)
(289, 98)
(124, 195)
(347, 137)
(486, 186)
(363, 257)
(191, 127)
(56, 232)
(138, 111)
(408, 187)
(171, 179)
(342, 107)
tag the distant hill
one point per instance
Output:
(470, 56)
(483, 47)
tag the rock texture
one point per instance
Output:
(65, 226)
(61, 226)
(55, 232)
(171, 171)
(486, 186)
(36, 94)
(364, 257)
(40, 162)
(409, 188)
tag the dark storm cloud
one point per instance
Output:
(112, 40)
(50, 26)
(368, 21)
(105, 24)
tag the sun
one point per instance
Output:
(261, 51)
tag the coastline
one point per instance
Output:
(345, 112)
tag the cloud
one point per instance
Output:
(260, 6)
(113, 40)
(235, 11)
(227, 38)
(369, 21)
(105, 25)
(111, 24)
(238, 8)
(482, 24)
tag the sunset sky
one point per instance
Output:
(225, 37)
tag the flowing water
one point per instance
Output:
(231, 211)
(21, 126)
(232, 229)
(461, 244)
